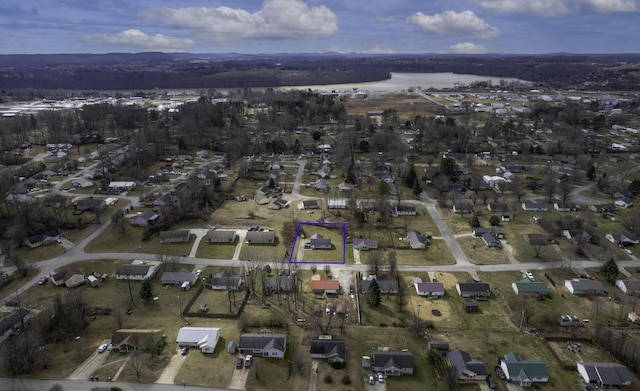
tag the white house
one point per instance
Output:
(205, 338)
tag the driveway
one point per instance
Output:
(173, 367)
(242, 234)
(91, 364)
(239, 378)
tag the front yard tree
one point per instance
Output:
(373, 294)
(146, 290)
(374, 262)
(610, 270)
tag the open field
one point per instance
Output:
(131, 241)
(406, 106)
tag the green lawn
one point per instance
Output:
(112, 240)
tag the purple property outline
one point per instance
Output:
(344, 243)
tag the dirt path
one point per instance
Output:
(356, 256)
(313, 377)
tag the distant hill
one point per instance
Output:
(118, 71)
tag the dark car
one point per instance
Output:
(490, 382)
(184, 350)
(239, 363)
(499, 372)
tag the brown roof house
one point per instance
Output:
(322, 284)
(130, 340)
(69, 277)
(179, 236)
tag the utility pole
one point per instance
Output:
(521, 320)
(180, 305)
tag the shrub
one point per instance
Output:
(328, 379)
(346, 380)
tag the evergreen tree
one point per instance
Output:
(591, 173)
(146, 290)
(416, 189)
(610, 270)
(474, 222)
(373, 294)
(411, 176)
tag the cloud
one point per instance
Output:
(374, 49)
(385, 18)
(556, 8)
(468, 48)
(463, 24)
(141, 41)
(278, 19)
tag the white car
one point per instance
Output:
(198, 272)
(530, 276)
(102, 348)
(380, 377)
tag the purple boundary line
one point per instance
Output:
(344, 244)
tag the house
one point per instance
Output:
(178, 278)
(403, 210)
(69, 277)
(278, 204)
(41, 239)
(130, 340)
(529, 287)
(470, 305)
(57, 201)
(491, 240)
(136, 271)
(261, 237)
(217, 236)
(205, 338)
(224, 281)
(604, 374)
(585, 286)
(392, 363)
(179, 236)
(497, 207)
(462, 207)
(165, 200)
(623, 202)
(365, 244)
(441, 347)
(365, 205)
(89, 204)
(387, 285)
(473, 288)
(322, 284)
(566, 208)
(321, 184)
(466, 368)
(535, 207)
(12, 322)
(318, 242)
(523, 372)
(265, 345)
(121, 186)
(328, 349)
(626, 238)
(432, 290)
(417, 240)
(497, 232)
(629, 286)
(576, 236)
(603, 208)
(479, 231)
(144, 219)
(308, 205)
(335, 203)
(275, 284)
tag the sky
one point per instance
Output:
(317, 26)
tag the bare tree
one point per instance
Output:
(375, 261)
(118, 316)
(139, 364)
(550, 186)
(565, 192)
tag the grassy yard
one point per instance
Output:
(215, 250)
(131, 241)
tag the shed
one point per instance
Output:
(232, 347)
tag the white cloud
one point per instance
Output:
(375, 49)
(468, 48)
(555, 8)
(463, 24)
(141, 41)
(278, 19)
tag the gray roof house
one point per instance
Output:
(604, 374)
(318, 242)
(387, 285)
(136, 272)
(524, 372)
(584, 286)
(179, 277)
(442, 347)
(308, 204)
(220, 236)
(265, 345)
(224, 281)
(629, 286)
(174, 236)
(467, 369)
(528, 287)
(205, 338)
(325, 349)
(69, 277)
(365, 244)
(626, 238)
(274, 284)
(473, 288)
(417, 240)
(392, 362)
(261, 237)
(41, 239)
(535, 207)
(144, 219)
(433, 289)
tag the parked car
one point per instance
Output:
(43, 280)
(499, 372)
(239, 363)
(184, 350)
(102, 348)
(372, 380)
(530, 276)
(380, 377)
(490, 382)
(247, 360)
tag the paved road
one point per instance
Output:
(7, 384)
